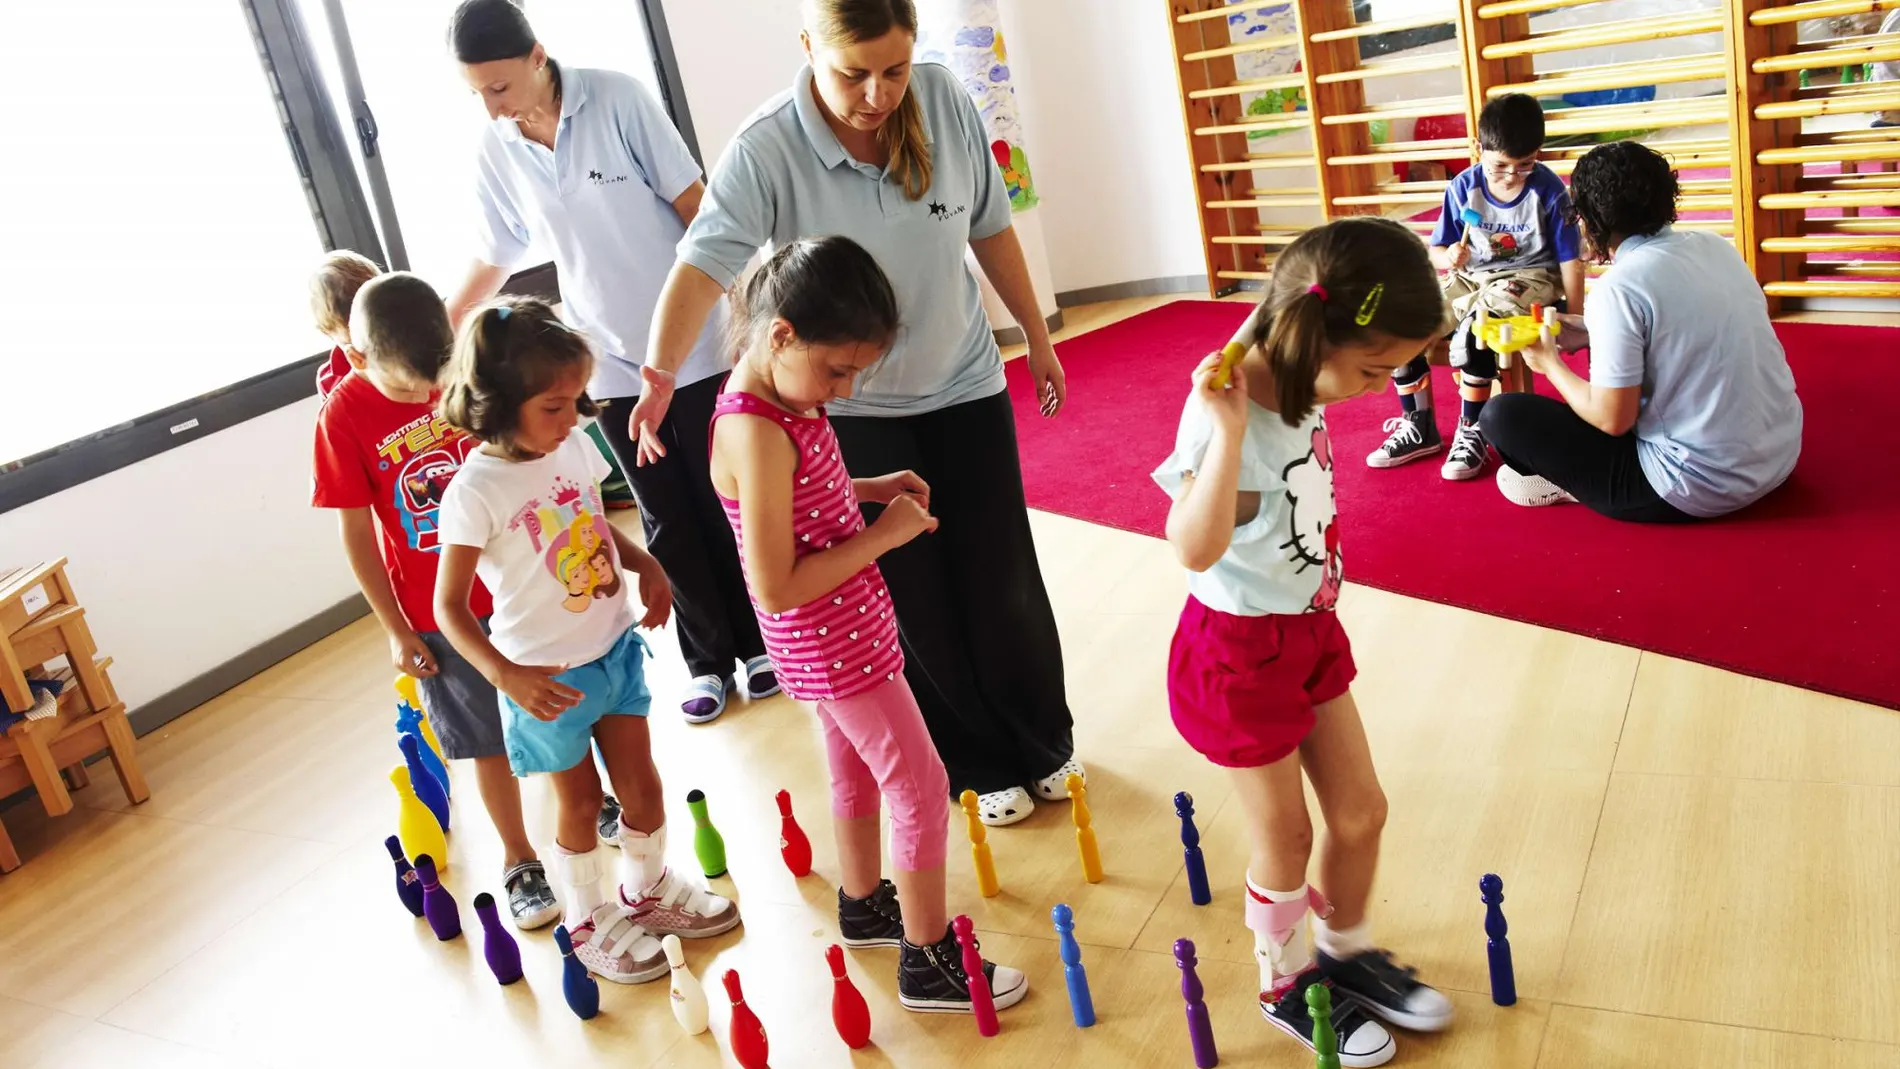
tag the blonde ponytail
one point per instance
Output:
(902, 135)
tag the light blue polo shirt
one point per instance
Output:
(787, 177)
(603, 198)
(1680, 314)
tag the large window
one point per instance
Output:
(429, 122)
(157, 233)
(199, 157)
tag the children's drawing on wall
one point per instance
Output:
(1270, 22)
(967, 37)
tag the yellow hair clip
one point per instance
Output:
(1370, 306)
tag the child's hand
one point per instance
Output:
(1457, 256)
(533, 687)
(412, 657)
(885, 489)
(656, 592)
(904, 519)
(1227, 406)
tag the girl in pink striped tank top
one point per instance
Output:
(807, 322)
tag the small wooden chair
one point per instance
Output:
(41, 625)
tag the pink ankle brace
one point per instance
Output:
(1278, 919)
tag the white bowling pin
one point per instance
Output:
(689, 999)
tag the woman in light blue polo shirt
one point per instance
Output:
(1689, 411)
(894, 156)
(587, 161)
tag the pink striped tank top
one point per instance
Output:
(845, 642)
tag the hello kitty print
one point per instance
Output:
(845, 642)
(1284, 559)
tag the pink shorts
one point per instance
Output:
(1242, 688)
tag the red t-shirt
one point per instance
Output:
(329, 374)
(395, 458)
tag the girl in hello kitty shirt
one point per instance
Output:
(1259, 672)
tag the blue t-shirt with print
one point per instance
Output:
(1523, 234)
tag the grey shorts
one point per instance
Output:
(464, 708)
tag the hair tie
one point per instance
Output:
(501, 312)
(1317, 290)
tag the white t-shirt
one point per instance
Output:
(1286, 559)
(547, 552)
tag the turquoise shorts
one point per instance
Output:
(614, 685)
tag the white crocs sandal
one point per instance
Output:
(1055, 786)
(1001, 808)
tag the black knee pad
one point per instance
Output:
(1481, 363)
(1413, 371)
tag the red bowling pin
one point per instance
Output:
(747, 1035)
(792, 843)
(848, 1011)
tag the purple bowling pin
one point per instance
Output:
(437, 904)
(408, 884)
(1200, 1028)
(504, 957)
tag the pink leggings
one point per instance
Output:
(877, 743)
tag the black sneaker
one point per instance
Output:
(875, 920)
(931, 979)
(1392, 991)
(1409, 436)
(530, 899)
(609, 819)
(1362, 1041)
(1468, 453)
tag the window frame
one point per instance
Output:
(341, 210)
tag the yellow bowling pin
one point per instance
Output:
(979, 847)
(415, 825)
(1084, 829)
(406, 690)
(428, 736)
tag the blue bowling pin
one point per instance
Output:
(1081, 1003)
(409, 722)
(581, 990)
(428, 789)
(408, 884)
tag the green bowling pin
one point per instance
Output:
(706, 841)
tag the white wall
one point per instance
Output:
(1095, 82)
(188, 559)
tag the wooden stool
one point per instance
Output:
(40, 622)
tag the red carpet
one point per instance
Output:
(1804, 587)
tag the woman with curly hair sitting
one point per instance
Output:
(1689, 411)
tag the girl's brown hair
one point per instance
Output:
(1341, 284)
(850, 22)
(333, 289)
(510, 350)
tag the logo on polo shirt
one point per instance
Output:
(602, 180)
(938, 210)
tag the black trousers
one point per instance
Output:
(980, 644)
(687, 531)
(1542, 436)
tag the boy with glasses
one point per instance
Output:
(1521, 251)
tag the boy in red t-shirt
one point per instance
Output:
(333, 288)
(384, 456)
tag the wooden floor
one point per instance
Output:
(1701, 870)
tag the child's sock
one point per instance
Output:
(1342, 943)
(1474, 393)
(579, 875)
(644, 854)
(1278, 920)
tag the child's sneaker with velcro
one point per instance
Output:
(677, 906)
(930, 979)
(616, 947)
(876, 920)
(1362, 1040)
(1389, 990)
(530, 900)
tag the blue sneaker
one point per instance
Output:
(706, 698)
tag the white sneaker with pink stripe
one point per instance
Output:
(676, 905)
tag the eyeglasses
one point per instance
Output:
(1509, 171)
